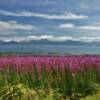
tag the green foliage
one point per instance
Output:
(52, 84)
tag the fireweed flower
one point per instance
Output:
(26, 63)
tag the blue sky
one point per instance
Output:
(36, 19)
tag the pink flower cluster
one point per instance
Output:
(26, 63)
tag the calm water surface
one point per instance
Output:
(50, 49)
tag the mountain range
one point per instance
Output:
(47, 42)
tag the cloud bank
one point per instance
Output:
(82, 27)
(90, 27)
(65, 16)
(67, 25)
(50, 38)
(13, 25)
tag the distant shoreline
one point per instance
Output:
(43, 54)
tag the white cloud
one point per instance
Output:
(66, 15)
(50, 38)
(64, 38)
(13, 25)
(90, 27)
(67, 25)
(84, 27)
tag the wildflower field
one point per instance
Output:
(50, 78)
